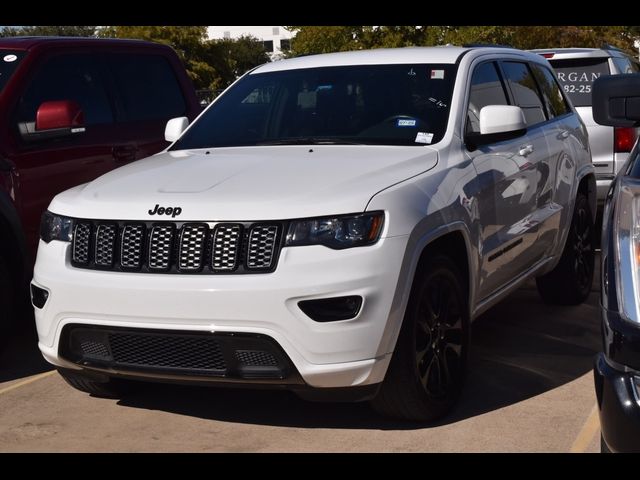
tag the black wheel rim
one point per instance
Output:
(582, 233)
(439, 338)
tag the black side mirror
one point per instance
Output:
(616, 100)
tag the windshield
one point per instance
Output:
(368, 104)
(577, 76)
(9, 60)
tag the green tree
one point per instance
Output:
(324, 39)
(51, 30)
(187, 41)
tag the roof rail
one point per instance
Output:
(607, 46)
(492, 45)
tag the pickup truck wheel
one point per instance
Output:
(427, 370)
(113, 388)
(6, 302)
(569, 283)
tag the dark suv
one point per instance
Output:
(72, 109)
(616, 103)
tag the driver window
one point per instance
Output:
(68, 77)
(486, 89)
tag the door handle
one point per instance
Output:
(525, 150)
(124, 153)
(564, 135)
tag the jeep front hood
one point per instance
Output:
(247, 183)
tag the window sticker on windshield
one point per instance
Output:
(406, 122)
(438, 102)
(437, 74)
(423, 137)
(10, 58)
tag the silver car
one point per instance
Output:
(576, 69)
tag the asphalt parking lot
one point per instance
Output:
(530, 389)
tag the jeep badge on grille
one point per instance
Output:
(173, 211)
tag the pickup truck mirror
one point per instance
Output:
(616, 100)
(54, 119)
(174, 128)
(497, 123)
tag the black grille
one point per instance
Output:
(226, 243)
(256, 358)
(94, 349)
(81, 238)
(105, 242)
(160, 247)
(172, 352)
(166, 352)
(167, 247)
(262, 242)
(192, 245)
(131, 246)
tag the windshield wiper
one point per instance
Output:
(310, 141)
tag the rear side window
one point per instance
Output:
(486, 89)
(525, 91)
(9, 61)
(577, 75)
(68, 77)
(556, 104)
(148, 87)
(624, 65)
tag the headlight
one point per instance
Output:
(55, 227)
(344, 231)
(627, 247)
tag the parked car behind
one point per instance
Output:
(71, 109)
(576, 69)
(330, 224)
(616, 103)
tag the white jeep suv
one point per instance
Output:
(330, 224)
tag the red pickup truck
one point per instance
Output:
(72, 109)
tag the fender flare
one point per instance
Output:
(416, 245)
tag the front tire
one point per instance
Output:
(428, 366)
(569, 283)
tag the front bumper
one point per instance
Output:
(619, 406)
(617, 383)
(346, 353)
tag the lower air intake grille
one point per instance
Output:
(174, 352)
(256, 358)
(164, 351)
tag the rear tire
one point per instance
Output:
(112, 388)
(569, 283)
(428, 366)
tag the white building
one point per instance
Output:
(275, 39)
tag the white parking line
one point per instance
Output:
(27, 381)
(588, 431)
